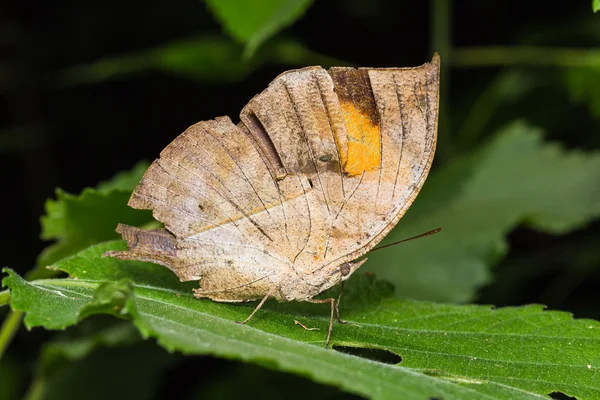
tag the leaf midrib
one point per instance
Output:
(89, 283)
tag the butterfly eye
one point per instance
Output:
(345, 269)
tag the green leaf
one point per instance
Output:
(78, 343)
(11, 377)
(477, 200)
(584, 87)
(113, 270)
(109, 298)
(125, 180)
(596, 5)
(448, 351)
(77, 221)
(131, 372)
(71, 362)
(252, 22)
(206, 59)
(58, 310)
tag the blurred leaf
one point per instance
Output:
(131, 372)
(76, 344)
(259, 383)
(76, 221)
(487, 56)
(10, 378)
(571, 262)
(211, 59)
(97, 360)
(207, 59)
(253, 22)
(507, 87)
(125, 180)
(477, 200)
(22, 138)
(448, 351)
(596, 5)
(584, 86)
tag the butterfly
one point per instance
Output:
(322, 165)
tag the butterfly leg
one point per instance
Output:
(332, 302)
(259, 306)
(337, 305)
(296, 322)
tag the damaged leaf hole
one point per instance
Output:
(561, 396)
(381, 355)
(310, 182)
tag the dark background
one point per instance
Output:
(75, 136)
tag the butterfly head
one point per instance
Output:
(345, 270)
(320, 280)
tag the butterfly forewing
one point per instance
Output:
(321, 167)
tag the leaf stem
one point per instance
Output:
(474, 123)
(36, 388)
(441, 42)
(501, 56)
(9, 329)
(4, 297)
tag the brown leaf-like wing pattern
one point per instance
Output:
(321, 167)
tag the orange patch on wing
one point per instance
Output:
(364, 141)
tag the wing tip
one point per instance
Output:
(435, 60)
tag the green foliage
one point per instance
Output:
(136, 371)
(4, 297)
(69, 363)
(70, 346)
(252, 23)
(77, 221)
(584, 86)
(515, 179)
(9, 374)
(447, 350)
(124, 181)
(264, 384)
(111, 313)
(206, 59)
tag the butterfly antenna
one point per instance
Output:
(410, 238)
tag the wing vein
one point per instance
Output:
(273, 179)
(337, 153)
(226, 198)
(342, 207)
(256, 191)
(309, 223)
(244, 176)
(308, 147)
(403, 125)
(194, 188)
